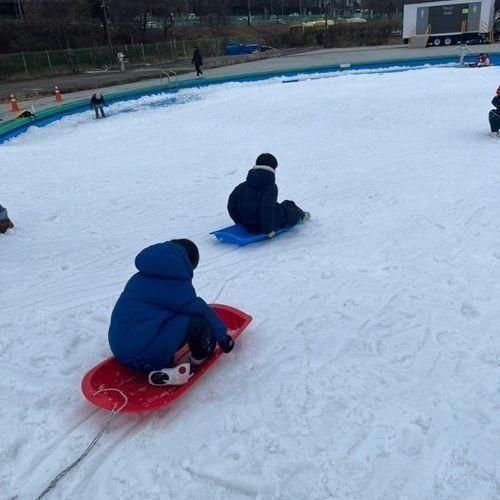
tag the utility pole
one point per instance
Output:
(105, 18)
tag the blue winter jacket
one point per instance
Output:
(150, 320)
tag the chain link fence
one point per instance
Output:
(51, 62)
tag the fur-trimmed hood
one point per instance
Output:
(260, 176)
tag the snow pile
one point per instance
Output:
(371, 368)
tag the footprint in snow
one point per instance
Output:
(468, 311)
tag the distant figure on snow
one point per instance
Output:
(26, 114)
(197, 60)
(97, 103)
(159, 312)
(482, 61)
(5, 222)
(254, 203)
(494, 115)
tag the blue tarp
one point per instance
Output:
(237, 49)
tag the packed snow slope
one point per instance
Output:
(371, 369)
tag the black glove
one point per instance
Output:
(226, 344)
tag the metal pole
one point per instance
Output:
(48, 59)
(143, 54)
(25, 65)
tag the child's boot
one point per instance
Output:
(178, 375)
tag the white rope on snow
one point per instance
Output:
(94, 441)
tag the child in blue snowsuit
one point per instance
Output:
(159, 312)
(254, 203)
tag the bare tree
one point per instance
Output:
(57, 16)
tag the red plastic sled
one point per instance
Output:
(107, 384)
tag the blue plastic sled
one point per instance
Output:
(239, 235)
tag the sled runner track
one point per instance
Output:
(45, 455)
(480, 210)
(218, 255)
(226, 281)
(231, 485)
(83, 297)
(254, 256)
(105, 453)
(123, 256)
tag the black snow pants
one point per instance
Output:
(494, 118)
(288, 214)
(200, 338)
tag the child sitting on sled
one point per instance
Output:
(254, 203)
(159, 312)
(5, 222)
(494, 115)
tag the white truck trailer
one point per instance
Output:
(449, 22)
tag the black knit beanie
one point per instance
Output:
(191, 250)
(268, 160)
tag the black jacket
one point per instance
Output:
(197, 58)
(496, 101)
(254, 202)
(94, 101)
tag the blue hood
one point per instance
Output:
(151, 318)
(166, 260)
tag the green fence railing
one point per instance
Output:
(32, 64)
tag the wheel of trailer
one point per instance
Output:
(447, 41)
(437, 42)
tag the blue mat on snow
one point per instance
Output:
(239, 235)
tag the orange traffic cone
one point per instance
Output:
(13, 104)
(58, 94)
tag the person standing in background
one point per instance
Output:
(197, 60)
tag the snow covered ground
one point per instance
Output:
(371, 369)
